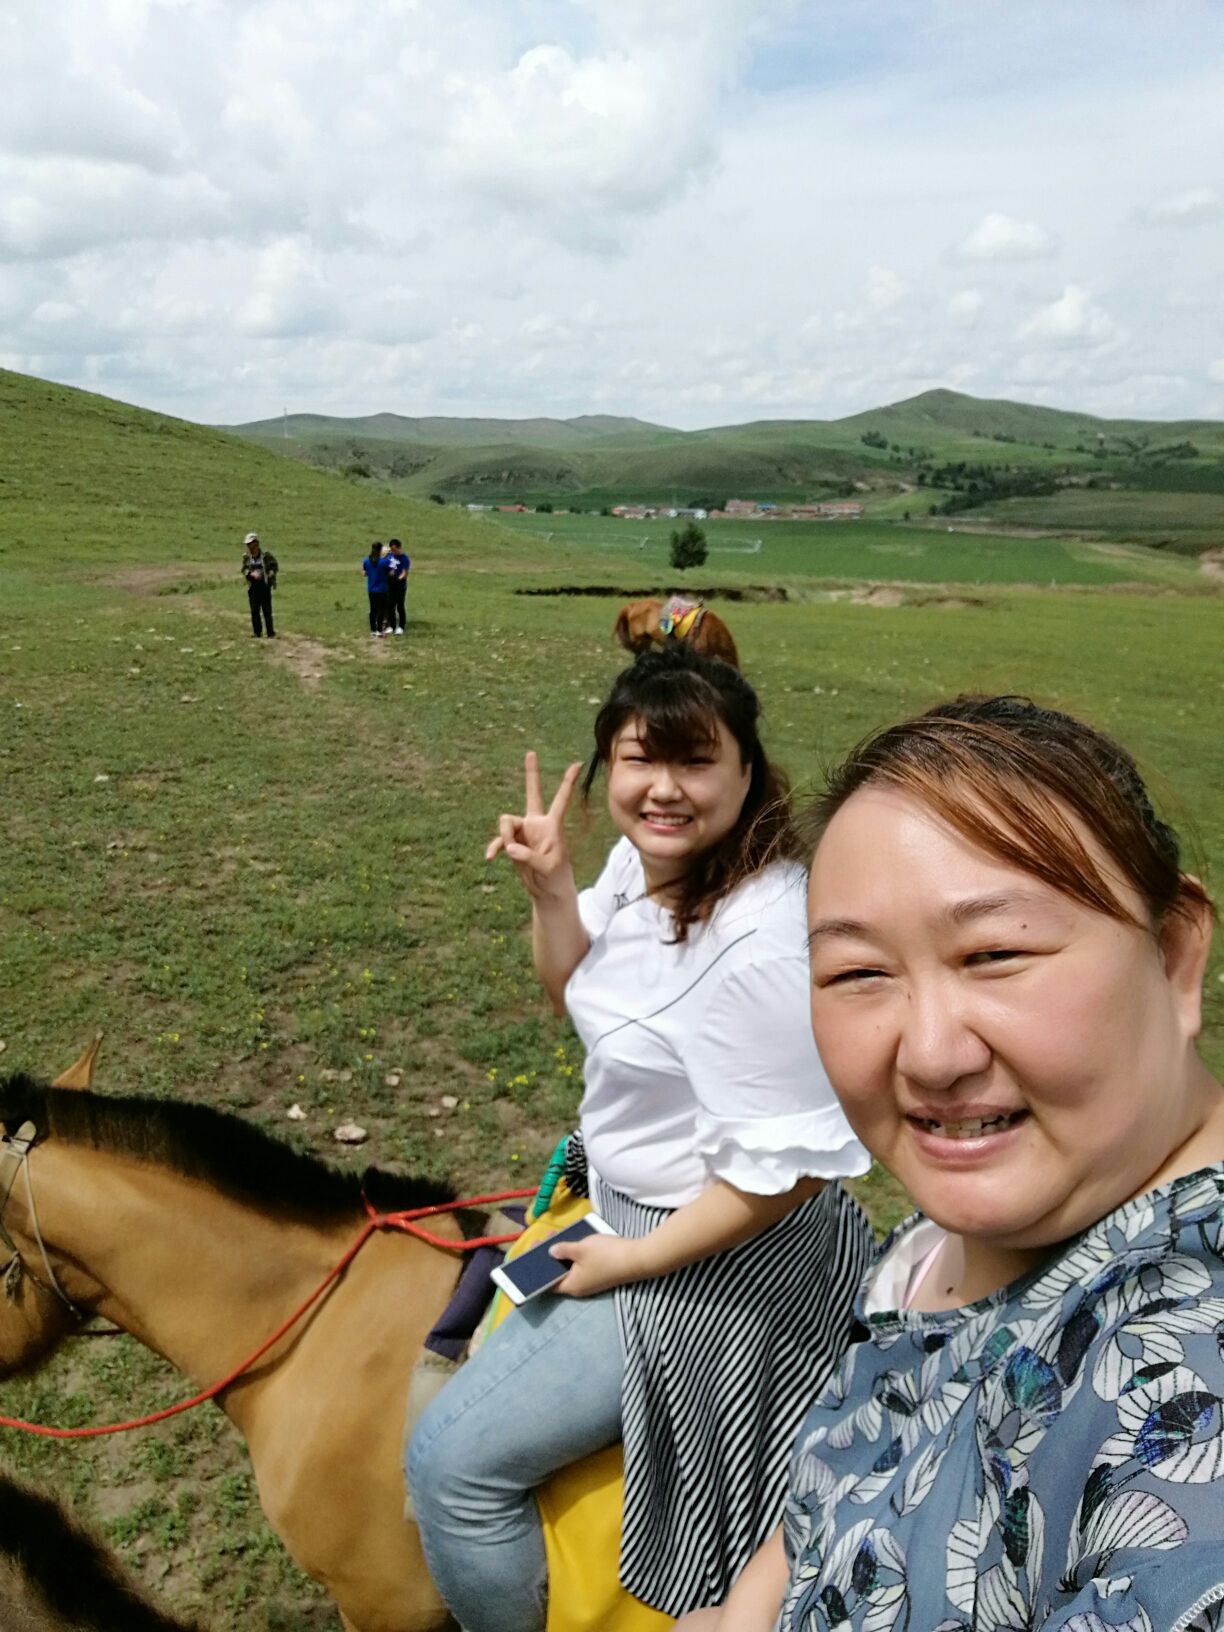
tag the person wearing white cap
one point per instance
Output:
(259, 569)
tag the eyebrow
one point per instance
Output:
(960, 912)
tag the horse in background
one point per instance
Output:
(55, 1577)
(642, 624)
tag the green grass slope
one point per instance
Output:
(106, 481)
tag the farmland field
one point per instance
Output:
(850, 551)
(259, 866)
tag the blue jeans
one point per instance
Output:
(542, 1392)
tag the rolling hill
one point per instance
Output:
(883, 454)
(85, 473)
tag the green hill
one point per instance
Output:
(84, 473)
(882, 456)
(936, 414)
(442, 431)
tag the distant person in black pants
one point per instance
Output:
(398, 566)
(376, 567)
(259, 569)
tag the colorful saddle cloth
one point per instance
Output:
(680, 618)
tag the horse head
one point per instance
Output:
(35, 1316)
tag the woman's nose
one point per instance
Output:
(939, 1045)
(663, 784)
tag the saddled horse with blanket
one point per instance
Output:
(643, 624)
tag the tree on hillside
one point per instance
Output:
(688, 547)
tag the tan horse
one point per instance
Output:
(640, 625)
(199, 1234)
(54, 1577)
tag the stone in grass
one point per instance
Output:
(350, 1133)
(101, 777)
(392, 1079)
(295, 1113)
(448, 1102)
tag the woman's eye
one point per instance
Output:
(846, 977)
(978, 960)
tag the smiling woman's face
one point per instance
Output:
(673, 811)
(1021, 1063)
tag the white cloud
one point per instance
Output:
(1186, 209)
(965, 306)
(884, 288)
(1215, 371)
(999, 237)
(1074, 319)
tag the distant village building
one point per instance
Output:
(740, 507)
(841, 511)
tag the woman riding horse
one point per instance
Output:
(714, 1144)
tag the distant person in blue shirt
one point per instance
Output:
(398, 566)
(376, 567)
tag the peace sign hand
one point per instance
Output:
(535, 841)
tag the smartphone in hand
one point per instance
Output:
(536, 1270)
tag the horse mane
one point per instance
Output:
(215, 1147)
(67, 1569)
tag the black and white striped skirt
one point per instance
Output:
(722, 1360)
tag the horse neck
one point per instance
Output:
(193, 1274)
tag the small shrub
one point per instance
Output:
(688, 547)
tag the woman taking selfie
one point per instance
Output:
(1007, 968)
(701, 1329)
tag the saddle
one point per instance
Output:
(680, 619)
(581, 1506)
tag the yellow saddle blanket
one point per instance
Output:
(581, 1506)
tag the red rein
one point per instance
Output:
(405, 1222)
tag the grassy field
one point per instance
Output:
(1166, 517)
(259, 866)
(848, 551)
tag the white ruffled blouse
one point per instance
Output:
(700, 1063)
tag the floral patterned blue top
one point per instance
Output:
(1049, 1459)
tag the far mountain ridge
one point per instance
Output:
(940, 413)
(444, 430)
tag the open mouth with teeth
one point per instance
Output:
(976, 1127)
(659, 818)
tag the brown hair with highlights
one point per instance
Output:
(1014, 779)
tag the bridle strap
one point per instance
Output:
(16, 1147)
(15, 1155)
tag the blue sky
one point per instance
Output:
(697, 211)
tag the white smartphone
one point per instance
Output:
(536, 1270)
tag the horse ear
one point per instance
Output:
(81, 1074)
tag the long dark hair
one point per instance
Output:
(678, 698)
